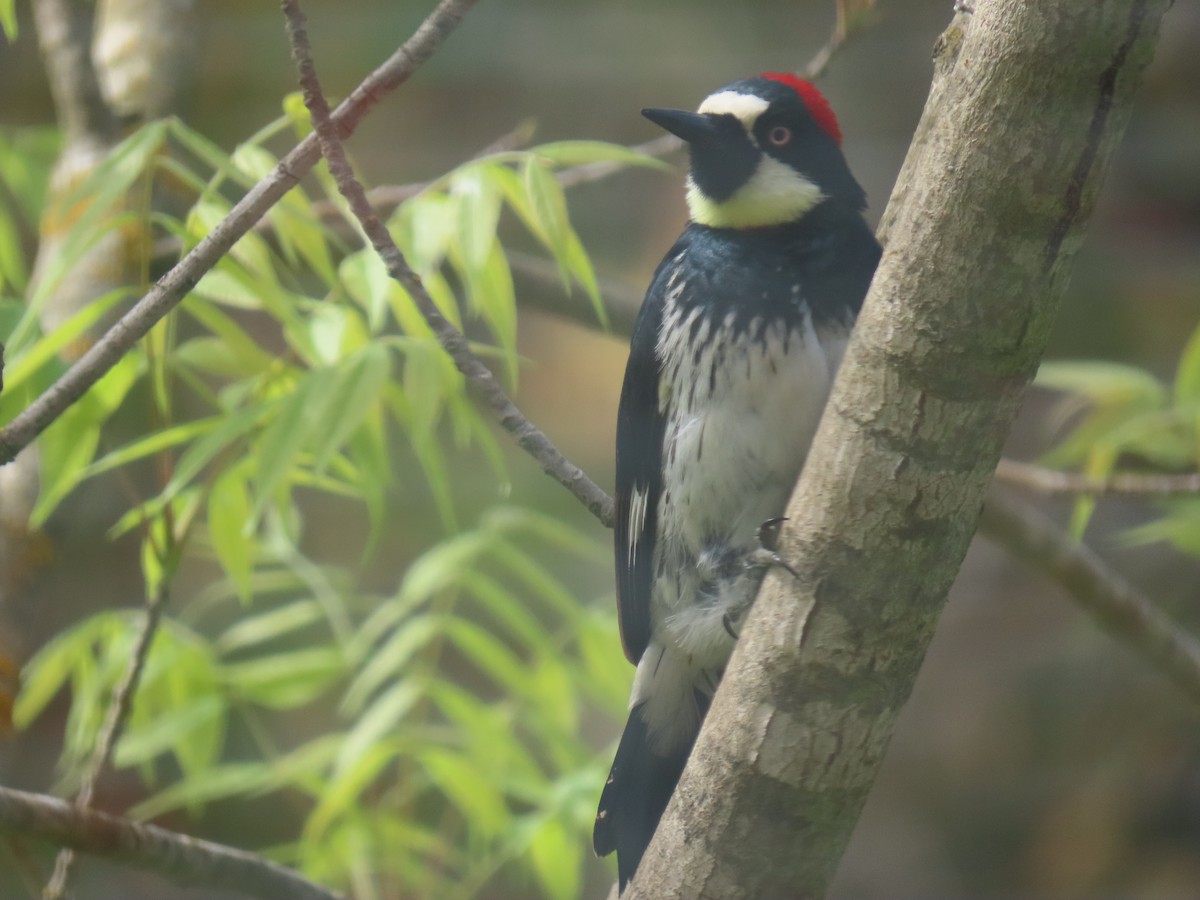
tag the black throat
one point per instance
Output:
(820, 266)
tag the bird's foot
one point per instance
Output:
(766, 554)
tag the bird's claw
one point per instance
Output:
(727, 621)
(768, 532)
(766, 555)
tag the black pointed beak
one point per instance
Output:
(691, 127)
(723, 156)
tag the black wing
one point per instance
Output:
(640, 428)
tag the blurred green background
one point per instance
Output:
(1036, 758)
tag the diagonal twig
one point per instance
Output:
(1117, 606)
(480, 379)
(166, 294)
(182, 859)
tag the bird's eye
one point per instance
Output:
(779, 135)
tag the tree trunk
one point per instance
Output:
(1028, 101)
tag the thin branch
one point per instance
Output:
(1050, 481)
(480, 379)
(110, 733)
(172, 287)
(182, 859)
(1120, 609)
(849, 23)
(389, 196)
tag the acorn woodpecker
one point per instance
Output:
(730, 364)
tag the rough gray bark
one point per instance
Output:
(1028, 102)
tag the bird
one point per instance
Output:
(731, 361)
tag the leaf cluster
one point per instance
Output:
(441, 748)
(1121, 417)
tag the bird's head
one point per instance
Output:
(765, 151)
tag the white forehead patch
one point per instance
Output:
(746, 107)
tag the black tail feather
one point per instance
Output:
(633, 800)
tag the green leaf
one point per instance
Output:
(365, 278)
(305, 766)
(228, 529)
(69, 443)
(328, 328)
(360, 387)
(578, 264)
(285, 680)
(231, 427)
(388, 661)
(296, 418)
(343, 793)
(269, 626)
(486, 729)
(27, 156)
(557, 857)
(489, 655)
(93, 209)
(221, 285)
(1187, 375)
(604, 676)
(509, 613)
(208, 153)
(22, 365)
(548, 204)
(251, 250)
(301, 235)
(546, 531)
(14, 273)
(215, 356)
(424, 227)
(478, 204)
(230, 333)
(470, 788)
(8, 19)
(1180, 526)
(379, 718)
(540, 582)
(47, 673)
(1102, 459)
(491, 290)
(1105, 383)
(580, 153)
(443, 565)
(229, 780)
(425, 386)
(167, 730)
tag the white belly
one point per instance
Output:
(741, 415)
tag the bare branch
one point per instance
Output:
(1051, 481)
(389, 196)
(174, 286)
(851, 18)
(1120, 609)
(180, 858)
(480, 379)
